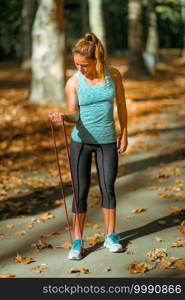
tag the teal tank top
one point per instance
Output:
(96, 112)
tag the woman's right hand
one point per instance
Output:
(56, 116)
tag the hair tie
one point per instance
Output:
(88, 38)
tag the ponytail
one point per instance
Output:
(91, 47)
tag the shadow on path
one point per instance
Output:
(154, 226)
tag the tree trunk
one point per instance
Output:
(135, 40)
(28, 14)
(48, 70)
(85, 16)
(183, 20)
(96, 20)
(152, 44)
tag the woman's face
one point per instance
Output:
(85, 65)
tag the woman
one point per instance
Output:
(90, 94)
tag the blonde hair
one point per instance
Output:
(91, 47)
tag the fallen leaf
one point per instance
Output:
(66, 245)
(23, 260)
(93, 203)
(39, 269)
(180, 181)
(29, 225)
(9, 226)
(94, 242)
(80, 270)
(42, 245)
(131, 189)
(166, 263)
(161, 175)
(180, 196)
(88, 224)
(180, 264)
(181, 228)
(7, 275)
(49, 234)
(139, 268)
(139, 210)
(58, 202)
(165, 195)
(178, 243)
(130, 252)
(96, 226)
(156, 254)
(174, 210)
(20, 232)
(96, 235)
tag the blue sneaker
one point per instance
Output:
(112, 243)
(77, 250)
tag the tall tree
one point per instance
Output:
(48, 41)
(152, 43)
(28, 14)
(135, 40)
(96, 20)
(183, 20)
(85, 16)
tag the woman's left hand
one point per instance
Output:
(122, 144)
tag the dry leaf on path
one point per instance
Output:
(39, 269)
(131, 189)
(20, 232)
(94, 242)
(49, 234)
(174, 210)
(29, 225)
(178, 243)
(181, 228)
(96, 226)
(23, 260)
(140, 268)
(167, 263)
(156, 254)
(79, 270)
(7, 275)
(9, 226)
(88, 224)
(139, 210)
(165, 195)
(180, 264)
(96, 235)
(42, 245)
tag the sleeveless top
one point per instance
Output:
(96, 110)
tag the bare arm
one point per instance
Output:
(72, 114)
(121, 109)
(71, 99)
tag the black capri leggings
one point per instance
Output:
(106, 159)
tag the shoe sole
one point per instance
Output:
(108, 247)
(77, 258)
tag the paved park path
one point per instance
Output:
(150, 181)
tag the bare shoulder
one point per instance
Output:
(72, 83)
(115, 73)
